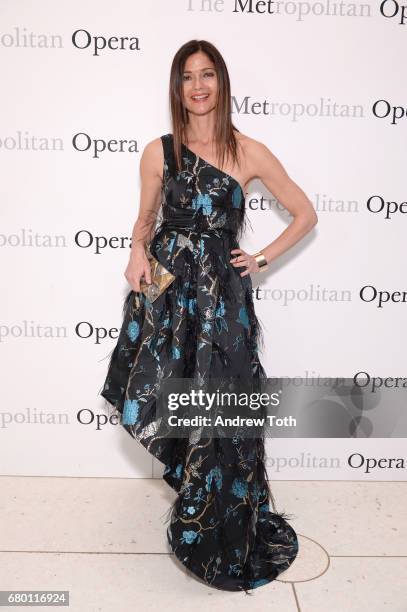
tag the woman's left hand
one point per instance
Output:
(242, 258)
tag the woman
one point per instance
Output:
(204, 326)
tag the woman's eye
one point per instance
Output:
(210, 74)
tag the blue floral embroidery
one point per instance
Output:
(203, 200)
(220, 309)
(235, 569)
(206, 327)
(260, 582)
(185, 302)
(171, 244)
(188, 537)
(238, 341)
(182, 301)
(239, 487)
(130, 412)
(243, 317)
(236, 197)
(220, 320)
(176, 352)
(133, 330)
(199, 496)
(216, 475)
(191, 510)
(192, 305)
(178, 470)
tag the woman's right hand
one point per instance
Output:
(138, 267)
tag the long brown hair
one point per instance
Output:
(225, 141)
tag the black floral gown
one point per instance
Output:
(221, 526)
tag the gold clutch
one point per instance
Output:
(161, 278)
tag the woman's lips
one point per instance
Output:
(200, 98)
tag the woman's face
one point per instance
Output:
(200, 84)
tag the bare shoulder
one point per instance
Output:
(152, 158)
(253, 150)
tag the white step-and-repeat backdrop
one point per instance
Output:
(84, 88)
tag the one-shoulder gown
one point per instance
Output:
(221, 526)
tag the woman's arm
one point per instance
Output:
(151, 164)
(264, 165)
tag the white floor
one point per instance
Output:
(103, 540)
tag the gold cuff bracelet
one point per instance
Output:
(261, 261)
